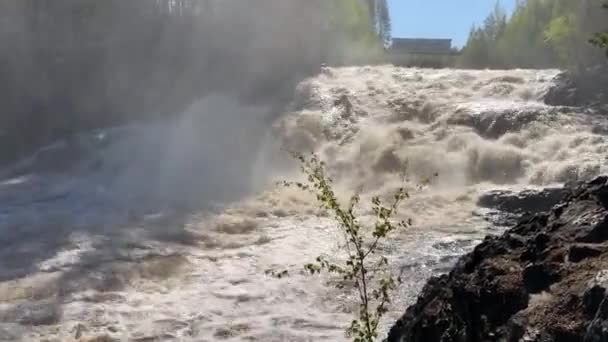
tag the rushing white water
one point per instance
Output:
(133, 239)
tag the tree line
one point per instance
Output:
(538, 34)
(69, 66)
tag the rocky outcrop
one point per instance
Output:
(589, 87)
(506, 207)
(524, 202)
(543, 280)
(495, 122)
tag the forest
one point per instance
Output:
(538, 34)
(74, 65)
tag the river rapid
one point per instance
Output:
(166, 231)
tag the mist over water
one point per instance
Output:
(166, 230)
(70, 67)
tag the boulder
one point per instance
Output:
(527, 201)
(506, 207)
(493, 123)
(588, 87)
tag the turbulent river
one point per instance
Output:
(166, 232)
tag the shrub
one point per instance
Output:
(365, 268)
(601, 39)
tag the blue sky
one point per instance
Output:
(440, 18)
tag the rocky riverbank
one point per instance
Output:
(543, 280)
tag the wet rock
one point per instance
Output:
(11, 332)
(537, 282)
(347, 106)
(405, 133)
(417, 110)
(597, 229)
(101, 338)
(588, 87)
(527, 201)
(496, 122)
(595, 305)
(539, 277)
(563, 92)
(508, 79)
(46, 312)
(595, 293)
(578, 253)
(462, 118)
(388, 161)
(516, 327)
(507, 207)
(597, 332)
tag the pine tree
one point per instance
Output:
(539, 34)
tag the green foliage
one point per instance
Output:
(601, 39)
(539, 34)
(364, 268)
(561, 35)
(476, 54)
(479, 51)
(351, 31)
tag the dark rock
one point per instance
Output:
(45, 312)
(595, 305)
(580, 252)
(597, 332)
(11, 332)
(592, 299)
(516, 328)
(563, 92)
(347, 106)
(589, 87)
(539, 277)
(506, 207)
(538, 282)
(527, 201)
(595, 294)
(597, 229)
(494, 123)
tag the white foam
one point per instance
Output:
(203, 276)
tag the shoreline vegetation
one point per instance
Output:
(538, 34)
